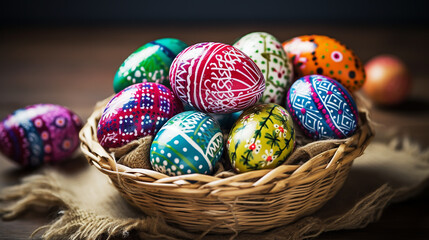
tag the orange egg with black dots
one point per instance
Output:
(322, 55)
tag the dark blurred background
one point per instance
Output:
(64, 47)
(140, 12)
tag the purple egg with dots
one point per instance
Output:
(322, 107)
(39, 134)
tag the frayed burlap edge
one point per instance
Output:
(41, 191)
(77, 224)
(44, 192)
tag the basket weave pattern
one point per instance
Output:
(255, 201)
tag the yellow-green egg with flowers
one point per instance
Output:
(262, 138)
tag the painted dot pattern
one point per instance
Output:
(322, 107)
(190, 142)
(137, 111)
(322, 55)
(40, 133)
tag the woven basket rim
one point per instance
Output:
(227, 183)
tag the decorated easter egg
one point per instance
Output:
(149, 63)
(322, 107)
(40, 133)
(267, 52)
(190, 142)
(262, 138)
(322, 55)
(216, 78)
(137, 111)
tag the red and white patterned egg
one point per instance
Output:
(216, 78)
(137, 111)
(40, 133)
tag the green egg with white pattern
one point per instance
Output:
(268, 54)
(149, 63)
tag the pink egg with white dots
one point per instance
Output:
(137, 111)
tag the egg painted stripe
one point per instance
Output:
(258, 131)
(294, 115)
(216, 141)
(348, 98)
(317, 98)
(180, 155)
(165, 50)
(348, 102)
(217, 48)
(168, 160)
(30, 113)
(204, 120)
(267, 58)
(193, 85)
(330, 118)
(16, 145)
(192, 143)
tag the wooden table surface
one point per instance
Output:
(74, 67)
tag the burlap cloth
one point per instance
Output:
(90, 207)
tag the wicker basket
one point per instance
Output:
(226, 202)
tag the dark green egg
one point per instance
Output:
(149, 63)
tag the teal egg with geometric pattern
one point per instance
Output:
(149, 63)
(190, 142)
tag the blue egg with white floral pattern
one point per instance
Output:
(322, 107)
(190, 142)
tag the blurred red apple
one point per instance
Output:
(387, 80)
